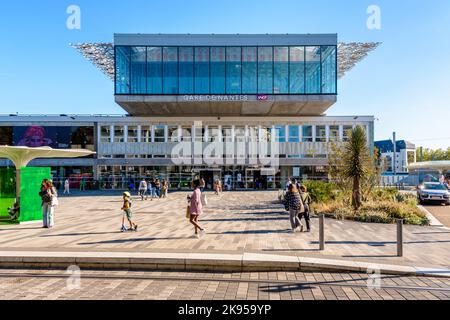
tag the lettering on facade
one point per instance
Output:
(215, 98)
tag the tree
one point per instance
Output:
(352, 167)
(433, 155)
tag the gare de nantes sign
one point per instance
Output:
(259, 97)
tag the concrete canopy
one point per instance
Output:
(21, 157)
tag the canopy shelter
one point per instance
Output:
(21, 157)
(440, 166)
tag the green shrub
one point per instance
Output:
(321, 191)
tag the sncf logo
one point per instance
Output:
(263, 97)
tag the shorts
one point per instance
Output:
(128, 214)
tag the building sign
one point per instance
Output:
(262, 97)
(215, 98)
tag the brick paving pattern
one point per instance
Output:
(157, 285)
(235, 222)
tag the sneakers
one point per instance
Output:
(135, 228)
(123, 229)
(202, 232)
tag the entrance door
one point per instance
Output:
(210, 176)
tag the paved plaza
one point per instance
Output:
(132, 285)
(236, 222)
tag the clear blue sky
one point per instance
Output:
(405, 83)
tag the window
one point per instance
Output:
(213, 133)
(201, 80)
(249, 70)
(307, 135)
(122, 70)
(281, 70)
(280, 133)
(227, 134)
(173, 134)
(297, 70)
(118, 134)
(347, 131)
(138, 70)
(218, 70)
(132, 134)
(146, 134)
(186, 133)
(265, 70)
(253, 133)
(294, 134)
(233, 69)
(334, 133)
(170, 70)
(328, 69)
(266, 134)
(239, 134)
(186, 70)
(313, 70)
(154, 70)
(159, 131)
(105, 134)
(321, 135)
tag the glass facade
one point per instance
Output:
(226, 70)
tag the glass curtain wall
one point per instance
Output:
(226, 70)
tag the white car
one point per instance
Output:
(433, 192)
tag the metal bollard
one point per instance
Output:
(322, 232)
(400, 237)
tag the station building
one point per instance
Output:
(247, 109)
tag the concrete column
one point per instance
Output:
(111, 133)
(139, 133)
(125, 133)
(314, 133)
(327, 133)
(341, 132)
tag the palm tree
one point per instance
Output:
(356, 162)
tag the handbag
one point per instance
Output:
(188, 212)
(204, 200)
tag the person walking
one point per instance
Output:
(165, 188)
(143, 189)
(49, 198)
(158, 188)
(150, 189)
(83, 184)
(67, 187)
(306, 199)
(196, 208)
(293, 204)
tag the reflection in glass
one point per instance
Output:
(123, 70)
(297, 70)
(170, 70)
(201, 85)
(265, 70)
(234, 68)
(154, 70)
(218, 70)
(138, 72)
(328, 69)
(249, 70)
(313, 70)
(281, 70)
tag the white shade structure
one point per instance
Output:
(430, 165)
(21, 157)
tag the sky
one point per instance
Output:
(405, 83)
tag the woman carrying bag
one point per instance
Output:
(195, 208)
(293, 203)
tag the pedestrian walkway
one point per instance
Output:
(236, 222)
(132, 285)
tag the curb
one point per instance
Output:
(244, 262)
(433, 221)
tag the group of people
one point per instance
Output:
(154, 189)
(297, 201)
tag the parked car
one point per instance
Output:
(433, 192)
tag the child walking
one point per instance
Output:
(127, 213)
